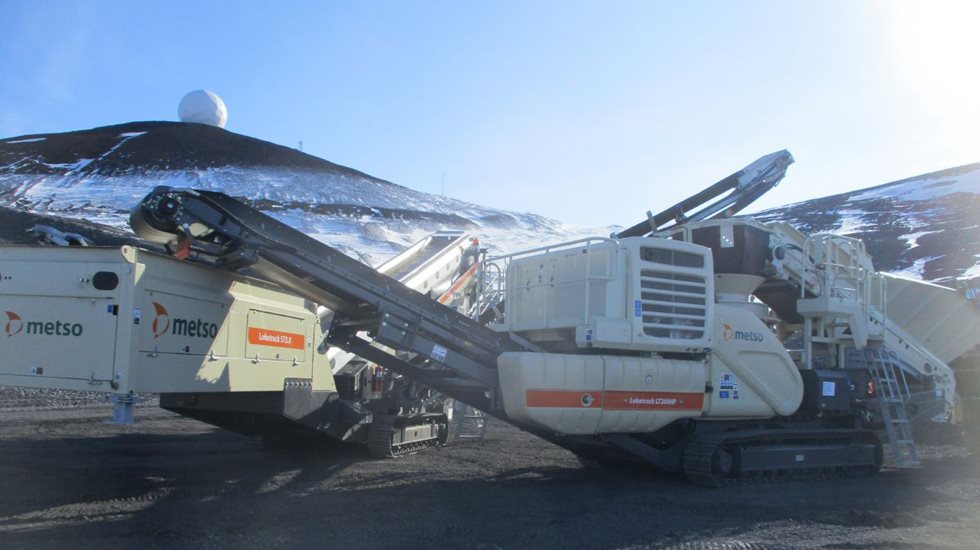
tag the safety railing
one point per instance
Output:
(841, 265)
(491, 284)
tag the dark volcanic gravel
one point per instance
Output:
(72, 481)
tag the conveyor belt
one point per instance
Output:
(743, 188)
(237, 236)
(433, 246)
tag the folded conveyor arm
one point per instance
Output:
(462, 353)
(742, 188)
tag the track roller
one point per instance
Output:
(392, 436)
(766, 456)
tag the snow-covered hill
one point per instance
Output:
(100, 174)
(927, 226)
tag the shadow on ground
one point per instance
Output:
(216, 489)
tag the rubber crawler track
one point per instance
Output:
(380, 439)
(701, 460)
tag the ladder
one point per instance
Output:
(892, 391)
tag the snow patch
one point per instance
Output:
(69, 166)
(851, 222)
(973, 271)
(912, 239)
(371, 238)
(925, 188)
(279, 185)
(374, 242)
(31, 140)
(917, 268)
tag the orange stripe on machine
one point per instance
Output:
(275, 338)
(615, 400)
(582, 399)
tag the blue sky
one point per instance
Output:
(588, 112)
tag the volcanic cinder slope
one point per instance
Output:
(101, 174)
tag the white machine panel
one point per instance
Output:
(172, 324)
(751, 371)
(123, 319)
(37, 329)
(592, 394)
(640, 293)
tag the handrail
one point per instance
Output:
(549, 248)
(837, 265)
(490, 287)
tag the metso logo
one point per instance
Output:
(197, 328)
(161, 322)
(730, 334)
(16, 324)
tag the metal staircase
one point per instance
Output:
(838, 313)
(892, 391)
(846, 305)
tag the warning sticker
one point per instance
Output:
(727, 386)
(829, 389)
(439, 353)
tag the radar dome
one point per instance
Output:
(203, 107)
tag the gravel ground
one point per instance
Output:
(70, 480)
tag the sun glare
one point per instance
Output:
(936, 47)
